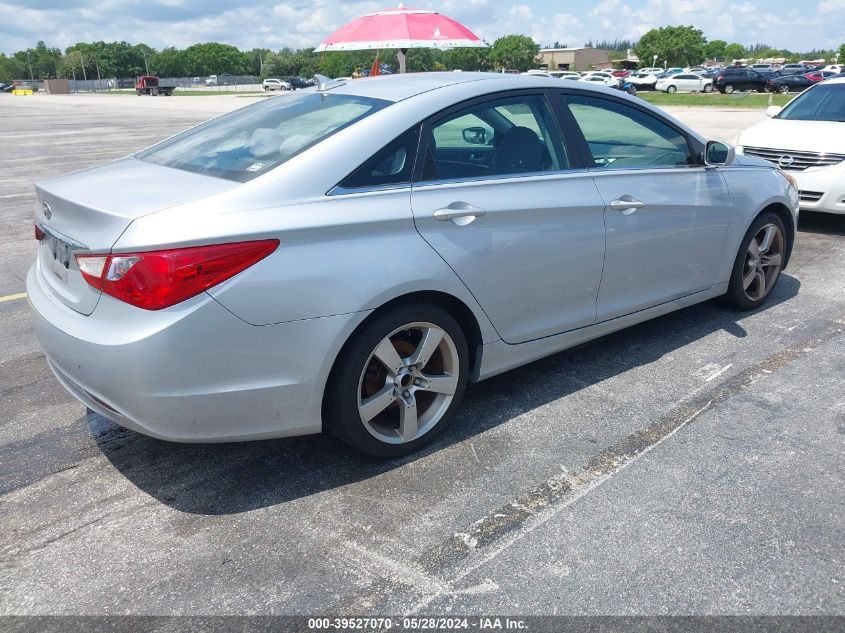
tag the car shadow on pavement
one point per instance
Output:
(215, 479)
(821, 223)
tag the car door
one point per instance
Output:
(666, 214)
(525, 235)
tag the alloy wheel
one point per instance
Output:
(408, 383)
(763, 262)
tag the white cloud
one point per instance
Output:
(299, 23)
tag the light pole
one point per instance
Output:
(654, 60)
(146, 65)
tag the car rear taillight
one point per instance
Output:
(39, 233)
(720, 77)
(158, 279)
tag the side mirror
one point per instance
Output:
(773, 111)
(716, 153)
(475, 136)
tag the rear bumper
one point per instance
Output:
(193, 372)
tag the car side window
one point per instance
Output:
(623, 137)
(507, 136)
(391, 165)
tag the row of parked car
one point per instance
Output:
(732, 78)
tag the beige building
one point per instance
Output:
(582, 58)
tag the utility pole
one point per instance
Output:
(146, 65)
(29, 62)
(97, 62)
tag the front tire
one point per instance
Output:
(758, 263)
(708, 88)
(398, 382)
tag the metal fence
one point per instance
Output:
(222, 83)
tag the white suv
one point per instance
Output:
(807, 139)
(275, 84)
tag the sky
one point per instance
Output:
(798, 25)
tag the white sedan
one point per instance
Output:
(806, 138)
(275, 84)
(605, 79)
(684, 82)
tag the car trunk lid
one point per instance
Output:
(88, 211)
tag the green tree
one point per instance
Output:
(514, 52)
(168, 62)
(11, 68)
(467, 59)
(677, 45)
(212, 58)
(715, 49)
(734, 51)
(841, 58)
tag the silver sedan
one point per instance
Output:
(352, 256)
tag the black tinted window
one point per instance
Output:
(507, 136)
(391, 165)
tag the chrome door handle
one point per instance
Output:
(459, 211)
(626, 204)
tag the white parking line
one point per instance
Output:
(17, 195)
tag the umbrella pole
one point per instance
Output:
(401, 56)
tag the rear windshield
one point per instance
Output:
(823, 102)
(253, 140)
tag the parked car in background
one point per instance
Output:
(807, 139)
(762, 67)
(684, 82)
(793, 69)
(620, 73)
(643, 80)
(820, 75)
(650, 70)
(790, 83)
(604, 79)
(668, 72)
(275, 84)
(297, 83)
(560, 74)
(345, 290)
(740, 78)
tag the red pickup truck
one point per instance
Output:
(148, 85)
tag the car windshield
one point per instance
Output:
(824, 102)
(253, 140)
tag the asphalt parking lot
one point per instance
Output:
(689, 465)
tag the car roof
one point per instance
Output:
(400, 87)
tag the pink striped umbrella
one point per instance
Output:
(401, 28)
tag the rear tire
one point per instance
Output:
(758, 263)
(381, 402)
(783, 89)
(708, 88)
(729, 88)
(671, 90)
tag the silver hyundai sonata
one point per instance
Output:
(350, 256)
